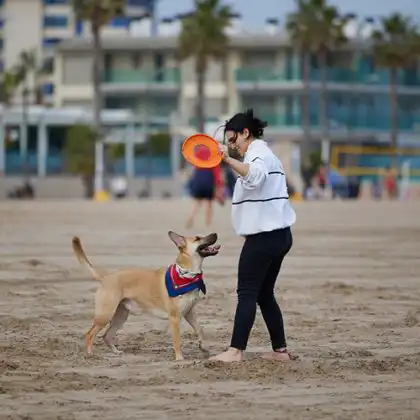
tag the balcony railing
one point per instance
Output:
(264, 75)
(334, 75)
(142, 76)
(345, 122)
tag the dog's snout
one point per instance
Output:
(212, 237)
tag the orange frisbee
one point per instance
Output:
(201, 150)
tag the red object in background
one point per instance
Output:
(217, 172)
(219, 195)
(390, 183)
(322, 177)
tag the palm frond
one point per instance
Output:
(394, 43)
(98, 12)
(203, 32)
(316, 25)
(8, 85)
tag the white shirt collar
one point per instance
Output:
(255, 143)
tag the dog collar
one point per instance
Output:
(178, 284)
(185, 273)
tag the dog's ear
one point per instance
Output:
(178, 240)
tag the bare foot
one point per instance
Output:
(230, 355)
(278, 356)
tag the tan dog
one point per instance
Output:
(151, 289)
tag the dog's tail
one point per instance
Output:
(83, 259)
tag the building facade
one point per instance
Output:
(43, 24)
(262, 71)
(143, 75)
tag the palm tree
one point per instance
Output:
(8, 84)
(203, 37)
(315, 27)
(394, 48)
(98, 13)
(296, 26)
(26, 67)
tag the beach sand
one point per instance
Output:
(349, 290)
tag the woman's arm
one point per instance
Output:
(253, 174)
(239, 167)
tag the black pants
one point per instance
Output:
(259, 266)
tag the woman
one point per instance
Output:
(205, 185)
(262, 214)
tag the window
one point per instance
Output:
(48, 89)
(50, 42)
(79, 27)
(49, 2)
(120, 22)
(141, 3)
(56, 21)
(48, 65)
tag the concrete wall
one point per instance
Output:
(23, 28)
(22, 32)
(72, 187)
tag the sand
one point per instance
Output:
(349, 290)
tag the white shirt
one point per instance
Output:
(260, 201)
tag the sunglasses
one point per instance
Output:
(232, 140)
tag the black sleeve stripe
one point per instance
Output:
(264, 200)
(270, 173)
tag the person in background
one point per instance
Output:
(307, 175)
(186, 181)
(119, 187)
(230, 179)
(322, 177)
(206, 185)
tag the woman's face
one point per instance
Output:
(238, 141)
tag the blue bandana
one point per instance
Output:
(178, 285)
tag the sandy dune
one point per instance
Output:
(350, 292)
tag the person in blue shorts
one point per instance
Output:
(202, 188)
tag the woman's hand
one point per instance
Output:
(239, 167)
(224, 151)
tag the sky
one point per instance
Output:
(254, 12)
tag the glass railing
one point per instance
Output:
(141, 76)
(344, 122)
(334, 75)
(264, 75)
(15, 165)
(158, 166)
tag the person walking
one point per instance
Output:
(263, 215)
(206, 185)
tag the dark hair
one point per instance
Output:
(246, 119)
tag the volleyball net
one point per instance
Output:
(369, 162)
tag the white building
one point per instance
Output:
(42, 24)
